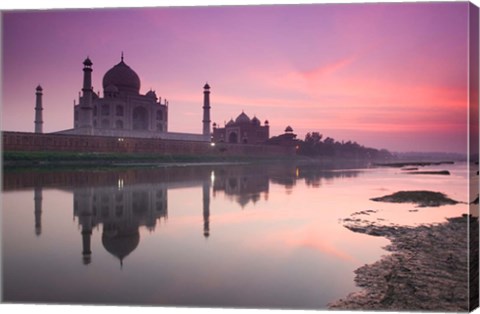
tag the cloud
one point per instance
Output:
(326, 71)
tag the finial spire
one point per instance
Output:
(122, 56)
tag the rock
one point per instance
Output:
(413, 163)
(443, 172)
(422, 198)
(427, 269)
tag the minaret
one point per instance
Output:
(86, 109)
(206, 209)
(37, 198)
(206, 110)
(38, 111)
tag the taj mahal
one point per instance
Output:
(124, 112)
(122, 107)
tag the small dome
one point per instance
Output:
(39, 88)
(230, 122)
(266, 122)
(255, 121)
(151, 94)
(242, 118)
(206, 86)
(123, 77)
(288, 129)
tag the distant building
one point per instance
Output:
(242, 131)
(286, 139)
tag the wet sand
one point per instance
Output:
(426, 269)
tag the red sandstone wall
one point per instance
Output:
(22, 141)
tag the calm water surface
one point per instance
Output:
(220, 235)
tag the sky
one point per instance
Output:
(386, 75)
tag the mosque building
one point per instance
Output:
(242, 130)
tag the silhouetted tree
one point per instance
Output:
(313, 146)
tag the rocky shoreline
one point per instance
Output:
(426, 270)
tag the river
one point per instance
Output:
(248, 236)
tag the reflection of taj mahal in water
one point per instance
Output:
(121, 210)
(127, 201)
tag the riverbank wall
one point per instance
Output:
(34, 142)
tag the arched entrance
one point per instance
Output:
(233, 137)
(140, 119)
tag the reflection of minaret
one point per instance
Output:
(83, 204)
(206, 209)
(86, 237)
(37, 198)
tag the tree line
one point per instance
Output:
(314, 145)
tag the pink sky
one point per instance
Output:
(388, 76)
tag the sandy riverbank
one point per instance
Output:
(426, 270)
